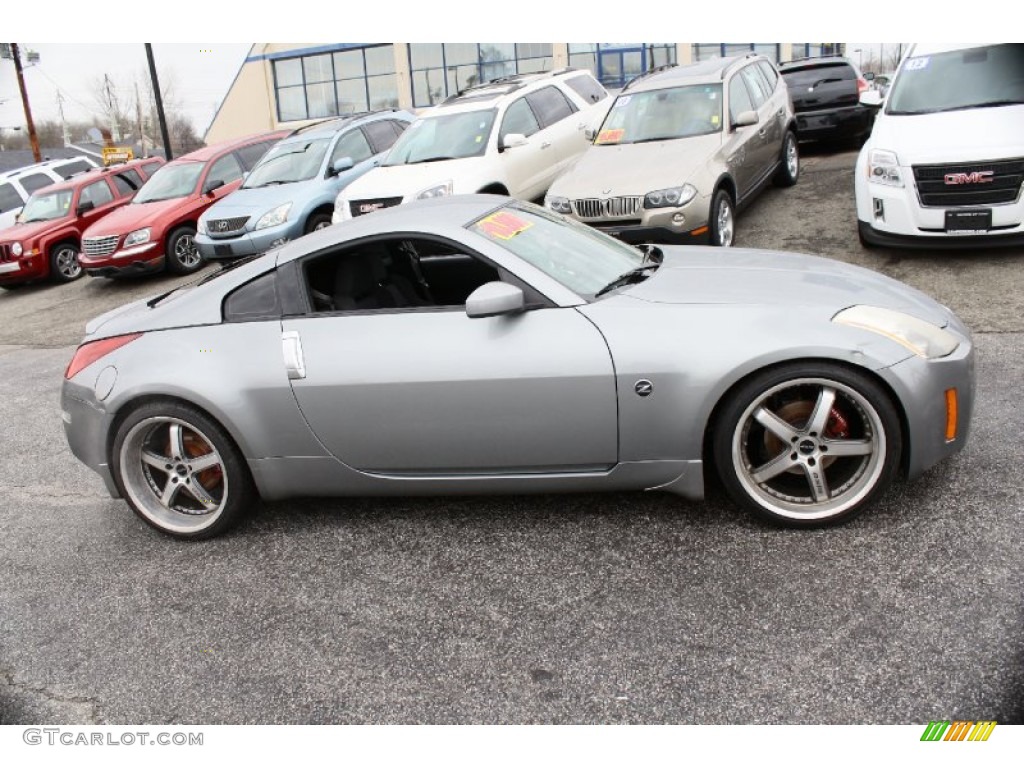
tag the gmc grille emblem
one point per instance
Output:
(370, 207)
(977, 177)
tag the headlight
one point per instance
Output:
(558, 204)
(670, 198)
(919, 336)
(884, 168)
(274, 216)
(16, 249)
(441, 190)
(201, 227)
(136, 237)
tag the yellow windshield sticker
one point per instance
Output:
(503, 225)
(610, 136)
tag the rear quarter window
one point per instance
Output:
(769, 73)
(35, 181)
(255, 300)
(587, 87)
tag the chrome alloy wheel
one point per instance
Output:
(792, 157)
(186, 252)
(724, 219)
(66, 261)
(809, 449)
(173, 474)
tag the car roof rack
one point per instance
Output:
(341, 119)
(648, 73)
(513, 82)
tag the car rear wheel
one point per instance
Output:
(722, 219)
(317, 221)
(180, 472)
(808, 444)
(64, 266)
(789, 169)
(182, 254)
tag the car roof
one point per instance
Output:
(214, 150)
(698, 73)
(491, 93)
(16, 172)
(332, 125)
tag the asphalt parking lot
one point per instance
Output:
(628, 608)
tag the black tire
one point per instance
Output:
(169, 490)
(64, 266)
(183, 256)
(790, 452)
(317, 221)
(789, 162)
(722, 231)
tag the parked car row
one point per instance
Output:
(18, 185)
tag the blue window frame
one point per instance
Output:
(439, 70)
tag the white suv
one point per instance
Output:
(944, 165)
(18, 185)
(511, 136)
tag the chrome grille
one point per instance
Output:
(225, 226)
(981, 183)
(608, 208)
(100, 246)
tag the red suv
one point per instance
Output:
(45, 241)
(155, 232)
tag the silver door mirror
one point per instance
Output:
(745, 118)
(496, 298)
(513, 140)
(871, 98)
(590, 134)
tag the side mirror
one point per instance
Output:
(513, 140)
(496, 298)
(212, 185)
(85, 207)
(871, 99)
(590, 134)
(341, 165)
(745, 118)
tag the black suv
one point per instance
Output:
(826, 98)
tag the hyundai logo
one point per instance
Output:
(976, 177)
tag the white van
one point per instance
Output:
(17, 185)
(944, 165)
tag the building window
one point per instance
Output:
(439, 70)
(615, 64)
(339, 83)
(805, 50)
(705, 51)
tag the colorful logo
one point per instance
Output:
(958, 730)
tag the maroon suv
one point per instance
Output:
(156, 231)
(47, 238)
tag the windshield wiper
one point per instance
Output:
(430, 159)
(635, 275)
(653, 138)
(270, 183)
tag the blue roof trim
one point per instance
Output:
(308, 51)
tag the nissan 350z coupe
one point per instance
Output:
(474, 344)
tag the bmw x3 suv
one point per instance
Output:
(683, 148)
(510, 136)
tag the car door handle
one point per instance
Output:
(545, 144)
(293, 360)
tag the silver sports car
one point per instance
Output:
(476, 345)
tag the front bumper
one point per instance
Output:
(137, 258)
(87, 426)
(945, 242)
(683, 225)
(247, 243)
(637, 234)
(22, 270)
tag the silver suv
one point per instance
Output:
(681, 150)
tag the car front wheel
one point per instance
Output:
(722, 220)
(789, 168)
(182, 253)
(180, 472)
(64, 266)
(808, 444)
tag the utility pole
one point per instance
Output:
(33, 139)
(138, 121)
(114, 107)
(159, 103)
(63, 124)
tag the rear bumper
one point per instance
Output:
(837, 123)
(86, 426)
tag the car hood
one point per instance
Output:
(965, 135)
(133, 216)
(258, 200)
(636, 169)
(24, 232)
(706, 275)
(409, 180)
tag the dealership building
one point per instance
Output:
(287, 85)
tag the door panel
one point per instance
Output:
(436, 392)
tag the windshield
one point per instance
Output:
(579, 257)
(669, 113)
(445, 137)
(47, 206)
(973, 77)
(286, 163)
(171, 181)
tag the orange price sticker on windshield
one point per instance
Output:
(503, 225)
(610, 136)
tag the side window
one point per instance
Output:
(251, 154)
(127, 182)
(550, 105)
(587, 87)
(769, 74)
(755, 85)
(739, 99)
(150, 168)
(226, 169)
(519, 118)
(381, 135)
(256, 299)
(98, 193)
(67, 170)
(35, 181)
(352, 144)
